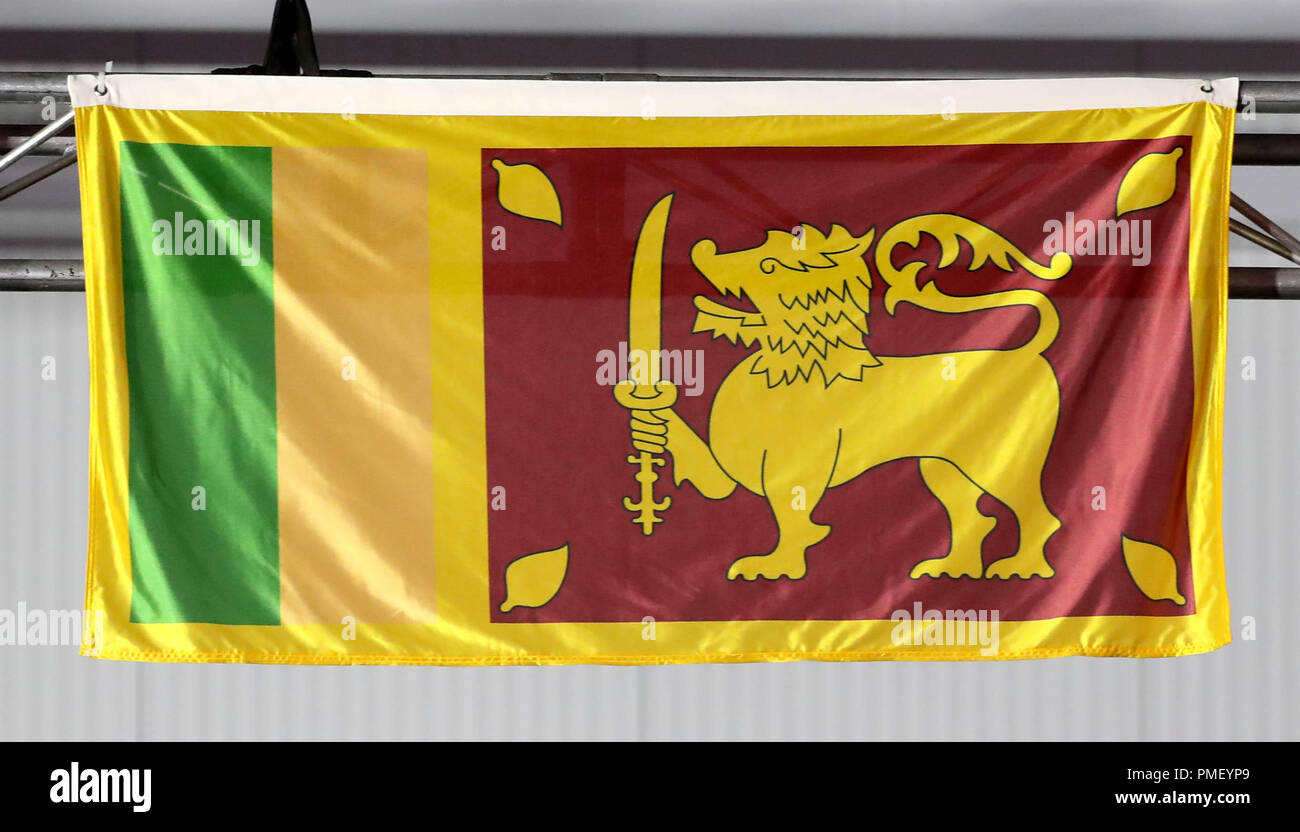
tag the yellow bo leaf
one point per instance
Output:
(527, 191)
(533, 580)
(1150, 182)
(1153, 570)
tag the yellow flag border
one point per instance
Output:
(463, 634)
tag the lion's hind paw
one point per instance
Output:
(946, 567)
(1018, 566)
(771, 566)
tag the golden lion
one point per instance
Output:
(813, 408)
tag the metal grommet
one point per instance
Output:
(1207, 87)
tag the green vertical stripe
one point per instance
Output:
(200, 352)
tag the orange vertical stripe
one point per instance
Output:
(354, 394)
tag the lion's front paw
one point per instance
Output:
(773, 566)
(949, 566)
(1020, 566)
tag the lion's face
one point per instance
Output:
(789, 269)
(811, 291)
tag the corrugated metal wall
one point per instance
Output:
(1244, 691)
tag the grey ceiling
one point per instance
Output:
(998, 19)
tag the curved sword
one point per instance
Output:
(646, 390)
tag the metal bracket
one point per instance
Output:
(291, 50)
(36, 140)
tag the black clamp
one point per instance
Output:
(291, 47)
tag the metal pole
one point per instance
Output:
(1269, 96)
(1244, 282)
(1256, 96)
(33, 86)
(56, 146)
(1262, 240)
(42, 276)
(1251, 149)
(44, 133)
(25, 181)
(1266, 149)
(1274, 230)
(1263, 283)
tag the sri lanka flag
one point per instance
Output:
(503, 372)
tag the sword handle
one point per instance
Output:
(635, 396)
(646, 477)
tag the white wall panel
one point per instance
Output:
(1244, 691)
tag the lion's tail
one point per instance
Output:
(986, 246)
(1049, 323)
